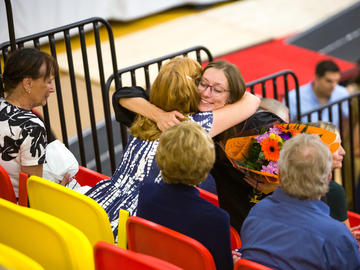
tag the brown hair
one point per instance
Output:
(26, 63)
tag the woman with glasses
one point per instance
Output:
(173, 90)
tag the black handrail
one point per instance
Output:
(273, 78)
(11, 27)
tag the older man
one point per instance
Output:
(292, 229)
(322, 91)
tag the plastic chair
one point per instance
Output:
(244, 264)
(158, 241)
(87, 177)
(208, 196)
(234, 238)
(122, 237)
(234, 235)
(51, 242)
(111, 257)
(13, 259)
(77, 209)
(354, 219)
(23, 196)
(7, 189)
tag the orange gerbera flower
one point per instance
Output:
(271, 149)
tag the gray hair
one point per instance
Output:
(304, 167)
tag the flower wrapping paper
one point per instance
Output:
(257, 155)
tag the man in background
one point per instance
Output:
(322, 91)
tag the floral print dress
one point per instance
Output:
(22, 140)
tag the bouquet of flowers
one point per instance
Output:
(258, 155)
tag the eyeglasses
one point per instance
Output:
(202, 86)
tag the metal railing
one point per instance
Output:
(277, 86)
(80, 89)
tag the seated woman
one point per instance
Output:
(173, 89)
(185, 156)
(335, 198)
(221, 83)
(28, 82)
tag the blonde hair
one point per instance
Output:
(173, 89)
(185, 154)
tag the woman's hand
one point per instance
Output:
(236, 255)
(265, 188)
(165, 120)
(66, 179)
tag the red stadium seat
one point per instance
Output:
(87, 177)
(111, 257)
(158, 241)
(244, 264)
(209, 196)
(7, 189)
(354, 219)
(234, 238)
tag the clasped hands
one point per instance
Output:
(168, 119)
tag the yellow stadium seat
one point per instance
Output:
(48, 240)
(77, 209)
(11, 258)
(122, 237)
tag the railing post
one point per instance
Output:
(11, 28)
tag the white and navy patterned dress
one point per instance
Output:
(137, 166)
(22, 140)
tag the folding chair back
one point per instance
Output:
(234, 238)
(6, 187)
(122, 236)
(13, 259)
(77, 209)
(51, 242)
(111, 257)
(158, 241)
(208, 196)
(244, 264)
(87, 177)
(354, 218)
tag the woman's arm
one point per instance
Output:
(232, 114)
(33, 170)
(143, 107)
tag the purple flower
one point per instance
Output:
(285, 136)
(275, 130)
(262, 137)
(272, 167)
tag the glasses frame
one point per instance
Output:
(214, 91)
